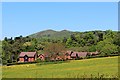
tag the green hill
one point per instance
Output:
(106, 67)
(51, 34)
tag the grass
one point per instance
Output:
(107, 67)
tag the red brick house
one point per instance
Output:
(27, 56)
(59, 58)
(67, 55)
(76, 55)
(42, 57)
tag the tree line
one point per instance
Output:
(105, 42)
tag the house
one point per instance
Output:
(82, 54)
(67, 55)
(27, 56)
(76, 55)
(59, 58)
(42, 57)
(56, 57)
(64, 56)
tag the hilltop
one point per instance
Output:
(52, 34)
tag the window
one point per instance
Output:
(67, 54)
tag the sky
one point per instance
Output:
(25, 18)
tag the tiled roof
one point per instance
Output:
(41, 55)
(80, 54)
(29, 54)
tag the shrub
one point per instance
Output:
(38, 60)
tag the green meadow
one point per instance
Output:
(106, 67)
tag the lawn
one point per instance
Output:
(76, 68)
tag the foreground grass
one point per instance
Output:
(107, 67)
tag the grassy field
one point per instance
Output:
(107, 67)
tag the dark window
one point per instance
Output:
(25, 58)
(67, 54)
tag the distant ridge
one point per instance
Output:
(56, 35)
(52, 34)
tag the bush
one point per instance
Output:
(51, 62)
(4, 62)
(38, 60)
(16, 63)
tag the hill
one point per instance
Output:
(104, 67)
(51, 34)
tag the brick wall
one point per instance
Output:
(21, 59)
(31, 59)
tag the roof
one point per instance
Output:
(69, 52)
(94, 53)
(29, 54)
(80, 54)
(73, 54)
(41, 55)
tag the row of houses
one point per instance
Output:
(68, 55)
